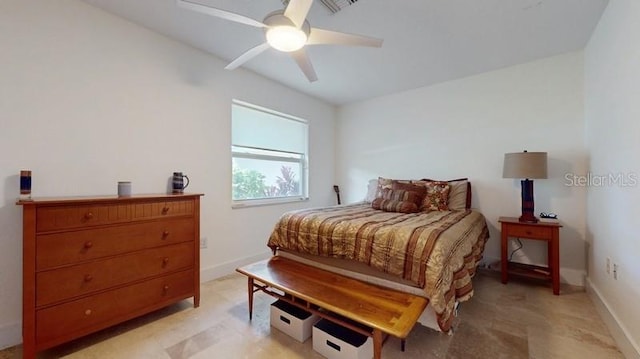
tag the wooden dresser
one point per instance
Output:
(92, 262)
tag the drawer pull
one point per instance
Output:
(88, 244)
(165, 234)
(166, 288)
(165, 261)
(88, 277)
(165, 210)
(87, 312)
(528, 232)
(88, 216)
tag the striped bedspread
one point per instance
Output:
(437, 251)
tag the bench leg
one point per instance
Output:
(402, 344)
(377, 344)
(250, 282)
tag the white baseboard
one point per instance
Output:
(226, 268)
(567, 275)
(572, 276)
(10, 335)
(619, 332)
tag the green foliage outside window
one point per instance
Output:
(250, 184)
(247, 184)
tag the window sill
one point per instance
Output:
(266, 202)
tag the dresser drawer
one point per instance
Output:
(58, 249)
(72, 319)
(524, 231)
(66, 217)
(68, 282)
(170, 208)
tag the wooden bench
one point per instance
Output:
(330, 295)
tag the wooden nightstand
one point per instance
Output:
(545, 230)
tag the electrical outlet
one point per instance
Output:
(203, 242)
(608, 265)
(615, 271)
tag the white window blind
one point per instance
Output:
(257, 128)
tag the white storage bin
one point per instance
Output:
(336, 342)
(293, 321)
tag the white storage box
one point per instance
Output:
(336, 342)
(293, 321)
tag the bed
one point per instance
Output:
(431, 253)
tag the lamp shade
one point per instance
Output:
(525, 165)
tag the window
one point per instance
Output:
(269, 156)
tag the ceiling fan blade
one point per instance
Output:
(251, 53)
(223, 14)
(328, 37)
(302, 58)
(297, 11)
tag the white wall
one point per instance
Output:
(463, 128)
(612, 92)
(88, 99)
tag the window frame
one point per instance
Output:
(303, 161)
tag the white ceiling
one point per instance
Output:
(425, 41)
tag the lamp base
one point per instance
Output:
(528, 218)
(527, 202)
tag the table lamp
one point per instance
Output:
(527, 165)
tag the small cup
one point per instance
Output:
(124, 189)
(25, 185)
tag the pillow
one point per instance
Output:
(387, 183)
(382, 184)
(390, 205)
(459, 194)
(421, 189)
(372, 189)
(403, 195)
(437, 196)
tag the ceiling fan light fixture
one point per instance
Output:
(286, 38)
(286, 30)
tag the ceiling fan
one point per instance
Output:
(287, 31)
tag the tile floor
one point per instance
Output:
(518, 320)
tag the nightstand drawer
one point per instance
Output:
(528, 231)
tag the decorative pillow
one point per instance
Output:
(437, 196)
(459, 198)
(403, 195)
(390, 205)
(382, 184)
(387, 183)
(421, 189)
